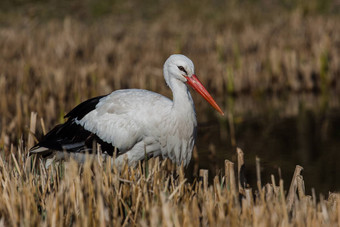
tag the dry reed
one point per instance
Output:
(49, 67)
(97, 194)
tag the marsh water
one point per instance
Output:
(283, 131)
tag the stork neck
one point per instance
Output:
(182, 100)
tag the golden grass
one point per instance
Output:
(48, 67)
(154, 193)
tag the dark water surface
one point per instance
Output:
(296, 129)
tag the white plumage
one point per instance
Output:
(137, 122)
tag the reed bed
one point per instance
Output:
(154, 193)
(48, 67)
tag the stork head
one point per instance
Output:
(180, 67)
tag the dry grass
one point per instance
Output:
(152, 194)
(48, 67)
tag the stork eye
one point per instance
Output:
(182, 69)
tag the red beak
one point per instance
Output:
(198, 86)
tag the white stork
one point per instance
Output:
(138, 123)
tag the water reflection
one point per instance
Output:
(283, 131)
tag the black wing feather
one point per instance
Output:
(84, 108)
(71, 136)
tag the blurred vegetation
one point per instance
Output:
(152, 9)
(55, 54)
